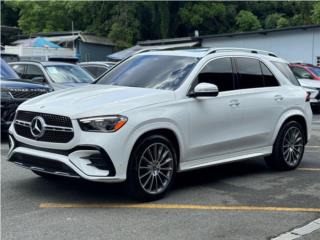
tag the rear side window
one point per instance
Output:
(249, 72)
(218, 72)
(33, 71)
(268, 78)
(19, 68)
(286, 71)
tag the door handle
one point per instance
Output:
(278, 98)
(234, 103)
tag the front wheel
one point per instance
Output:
(288, 148)
(151, 168)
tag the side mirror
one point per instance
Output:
(204, 90)
(39, 79)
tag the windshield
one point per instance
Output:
(315, 70)
(150, 71)
(68, 74)
(7, 72)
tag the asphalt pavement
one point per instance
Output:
(244, 200)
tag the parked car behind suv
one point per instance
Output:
(313, 87)
(163, 112)
(13, 92)
(96, 69)
(58, 75)
(306, 71)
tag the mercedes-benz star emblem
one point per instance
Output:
(37, 127)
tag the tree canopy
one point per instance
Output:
(128, 22)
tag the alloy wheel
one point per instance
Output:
(155, 168)
(293, 146)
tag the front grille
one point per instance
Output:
(48, 165)
(58, 128)
(26, 93)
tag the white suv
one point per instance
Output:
(162, 112)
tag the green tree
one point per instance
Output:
(271, 20)
(316, 13)
(282, 22)
(9, 15)
(247, 21)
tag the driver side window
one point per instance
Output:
(218, 72)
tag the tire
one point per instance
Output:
(151, 168)
(288, 148)
(45, 175)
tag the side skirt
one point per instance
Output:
(217, 160)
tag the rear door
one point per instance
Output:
(261, 102)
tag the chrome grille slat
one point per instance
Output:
(57, 128)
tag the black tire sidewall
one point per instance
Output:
(277, 156)
(132, 173)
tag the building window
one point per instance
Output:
(318, 61)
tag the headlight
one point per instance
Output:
(5, 95)
(103, 123)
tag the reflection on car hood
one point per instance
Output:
(20, 84)
(95, 100)
(309, 83)
(58, 86)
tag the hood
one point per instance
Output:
(309, 83)
(96, 100)
(21, 84)
(59, 86)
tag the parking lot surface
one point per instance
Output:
(243, 200)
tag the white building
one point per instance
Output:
(295, 44)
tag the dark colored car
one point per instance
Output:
(305, 71)
(13, 92)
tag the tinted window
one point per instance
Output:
(95, 71)
(32, 72)
(151, 71)
(249, 71)
(301, 73)
(19, 68)
(315, 70)
(286, 71)
(268, 78)
(218, 72)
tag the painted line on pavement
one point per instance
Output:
(299, 232)
(309, 169)
(178, 206)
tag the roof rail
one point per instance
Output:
(215, 50)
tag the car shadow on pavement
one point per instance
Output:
(65, 190)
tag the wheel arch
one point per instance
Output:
(168, 132)
(291, 116)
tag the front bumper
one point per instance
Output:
(92, 156)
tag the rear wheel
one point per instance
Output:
(288, 148)
(152, 167)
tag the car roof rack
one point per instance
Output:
(215, 50)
